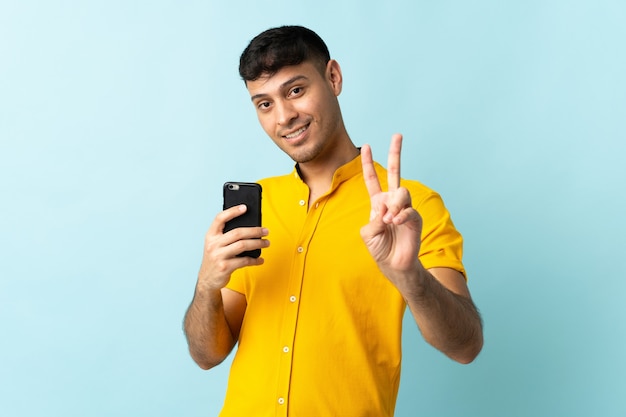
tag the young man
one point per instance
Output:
(318, 318)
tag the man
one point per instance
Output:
(318, 317)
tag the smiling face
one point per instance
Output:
(298, 109)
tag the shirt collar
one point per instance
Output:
(343, 173)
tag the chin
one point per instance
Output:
(303, 158)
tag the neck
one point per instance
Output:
(318, 175)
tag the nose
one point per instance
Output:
(286, 113)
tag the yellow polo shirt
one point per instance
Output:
(322, 331)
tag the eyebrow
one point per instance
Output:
(282, 86)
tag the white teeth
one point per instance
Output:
(296, 133)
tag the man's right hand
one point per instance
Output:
(221, 249)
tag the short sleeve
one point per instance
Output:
(237, 281)
(442, 244)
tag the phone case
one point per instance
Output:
(247, 193)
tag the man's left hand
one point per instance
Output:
(393, 234)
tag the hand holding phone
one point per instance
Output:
(247, 193)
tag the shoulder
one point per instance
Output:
(419, 191)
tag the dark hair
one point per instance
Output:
(280, 47)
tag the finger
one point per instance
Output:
(244, 245)
(230, 213)
(399, 208)
(369, 172)
(397, 201)
(242, 233)
(393, 162)
(372, 229)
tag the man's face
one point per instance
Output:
(298, 109)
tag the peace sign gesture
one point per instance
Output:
(393, 234)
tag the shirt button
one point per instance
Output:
(302, 202)
(281, 401)
(317, 205)
(292, 298)
(286, 349)
(300, 249)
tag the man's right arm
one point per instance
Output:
(214, 318)
(212, 324)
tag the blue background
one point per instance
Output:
(120, 120)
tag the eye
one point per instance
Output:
(263, 105)
(296, 91)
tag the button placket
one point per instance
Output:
(293, 296)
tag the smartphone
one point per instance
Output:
(248, 193)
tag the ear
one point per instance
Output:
(334, 76)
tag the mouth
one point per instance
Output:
(296, 133)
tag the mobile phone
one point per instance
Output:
(248, 193)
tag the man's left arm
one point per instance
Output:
(442, 307)
(438, 298)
